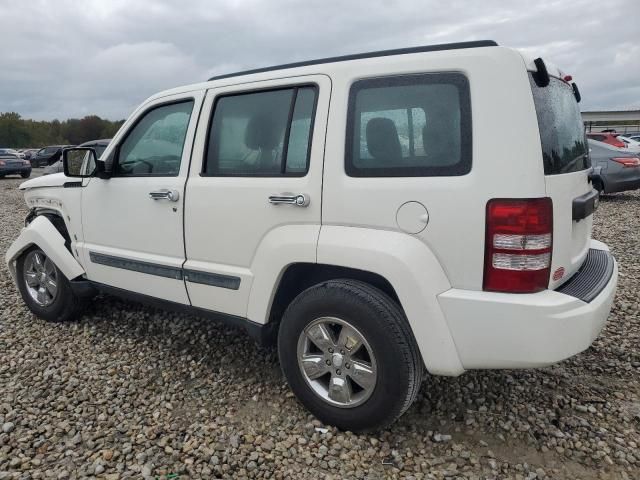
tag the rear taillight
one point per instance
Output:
(627, 161)
(2, 162)
(517, 255)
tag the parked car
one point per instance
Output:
(12, 164)
(610, 138)
(48, 155)
(98, 145)
(283, 201)
(29, 152)
(619, 167)
(11, 151)
(630, 142)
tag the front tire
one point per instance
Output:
(45, 289)
(25, 174)
(349, 356)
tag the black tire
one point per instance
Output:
(25, 174)
(66, 304)
(383, 324)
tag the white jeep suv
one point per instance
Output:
(378, 216)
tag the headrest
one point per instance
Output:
(262, 133)
(382, 139)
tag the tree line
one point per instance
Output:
(18, 132)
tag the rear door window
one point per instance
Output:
(562, 137)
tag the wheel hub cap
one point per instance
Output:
(41, 278)
(337, 362)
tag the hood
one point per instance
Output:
(54, 180)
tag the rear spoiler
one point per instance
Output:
(542, 78)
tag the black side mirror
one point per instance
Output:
(78, 162)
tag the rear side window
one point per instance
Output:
(266, 133)
(564, 145)
(410, 125)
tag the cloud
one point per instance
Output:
(70, 58)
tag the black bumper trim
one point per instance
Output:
(592, 277)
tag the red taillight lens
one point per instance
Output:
(627, 161)
(517, 254)
(2, 162)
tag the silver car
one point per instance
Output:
(98, 145)
(619, 169)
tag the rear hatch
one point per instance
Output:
(566, 167)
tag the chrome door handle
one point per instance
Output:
(171, 195)
(299, 199)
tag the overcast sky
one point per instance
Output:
(70, 58)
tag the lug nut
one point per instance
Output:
(347, 365)
(342, 352)
(328, 362)
(330, 350)
(338, 372)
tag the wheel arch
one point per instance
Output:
(42, 232)
(398, 264)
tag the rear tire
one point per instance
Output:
(361, 380)
(25, 174)
(44, 288)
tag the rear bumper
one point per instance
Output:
(499, 330)
(11, 170)
(621, 181)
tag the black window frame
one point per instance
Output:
(116, 150)
(457, 79)
(285, 146)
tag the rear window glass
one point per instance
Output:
(564, 146)
(410, 125)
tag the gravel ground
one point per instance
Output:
(130, 392)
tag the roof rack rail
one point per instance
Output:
(358, 56)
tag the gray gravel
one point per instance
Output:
(130, 392)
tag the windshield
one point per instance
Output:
(564, 146)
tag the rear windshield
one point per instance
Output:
(564, 146)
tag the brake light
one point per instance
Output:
(627, 161)
(519, 238)
(2, 163)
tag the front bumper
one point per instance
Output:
(502, 330)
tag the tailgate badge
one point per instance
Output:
(558, 274)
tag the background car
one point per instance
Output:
(610, 138)
(11, 164)
(630, 142)
(619, 168)
(48, 155)
(12, 152)
(98, 145)
(29, 153)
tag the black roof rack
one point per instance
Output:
(358, 56)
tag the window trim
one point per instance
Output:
(116, 149)
(285, 148)
(457, 79)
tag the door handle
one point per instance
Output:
(298, 199)
(171, 195)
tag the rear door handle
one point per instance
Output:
(297, 199)
(171, 195)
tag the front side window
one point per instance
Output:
(413, 125)
(265, 133)
(154, 145)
